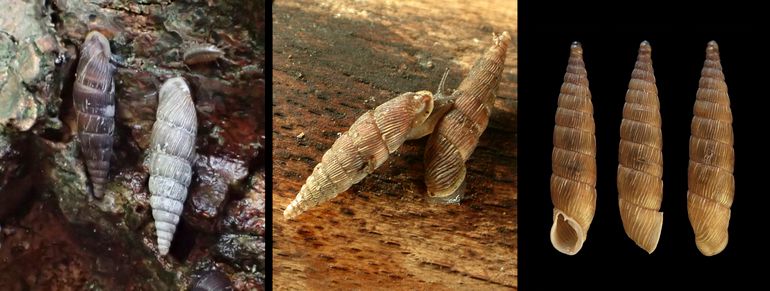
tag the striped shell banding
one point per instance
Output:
(457, 133)
(640, 169)
(172, 153)
(94, 98)
(711, 185)
(362, 149)
(573, 182)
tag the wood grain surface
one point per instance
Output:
(333, 61)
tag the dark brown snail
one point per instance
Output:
(94, 95)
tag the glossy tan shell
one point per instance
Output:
(711, 185)
(362, 149)
(94, 98)
(573, 182)
(172, 153)
(640, 169)
(456, 135)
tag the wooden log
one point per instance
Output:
(334, 61)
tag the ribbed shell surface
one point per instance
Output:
(640, 169)
(711, 185)
(172, 154)
(573, 182)
(94, 98)
(362, 149)
(457, 133)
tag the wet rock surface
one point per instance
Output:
(54, 233)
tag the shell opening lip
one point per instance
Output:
(426, 102)
(567, 236)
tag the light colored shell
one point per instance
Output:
(712, 159)
(172, 154)
(362, 149)
(94, 98)
(456, 135)
(573, 182)
(640, 171)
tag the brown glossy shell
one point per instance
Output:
(94, 98)
(573, 182)
(362, 149)
(640, 169)
(711, 185)
(456, 135)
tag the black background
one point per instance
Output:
(610, 35)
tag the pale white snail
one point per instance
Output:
(172, 153)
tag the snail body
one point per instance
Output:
(94, 99)
(573, 182)
(711, 185)
(640, 169)
(362, 149)
(172, 153)
(457, 133)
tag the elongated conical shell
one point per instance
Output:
(94, 98)
(172, 154)
(573, 182)
(640, 170)
(362, 149)
(711, 185)
(457, 133)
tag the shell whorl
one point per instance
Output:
(94, 99)
(573, 182)
(172, 153)
(362, 149)
(640, 169)
(711, 185)
(457, 133)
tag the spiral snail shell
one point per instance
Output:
(640, 169)
(457, 133)
(362, 149)
(94, 98)
(573, 182)
(172, 153)
(711, 185)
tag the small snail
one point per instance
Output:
(457, 133)
(640, 170)
(711, 185)
(573, 182)
(94, 98)
(172, 153)
(362, 149)
(202, 54)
